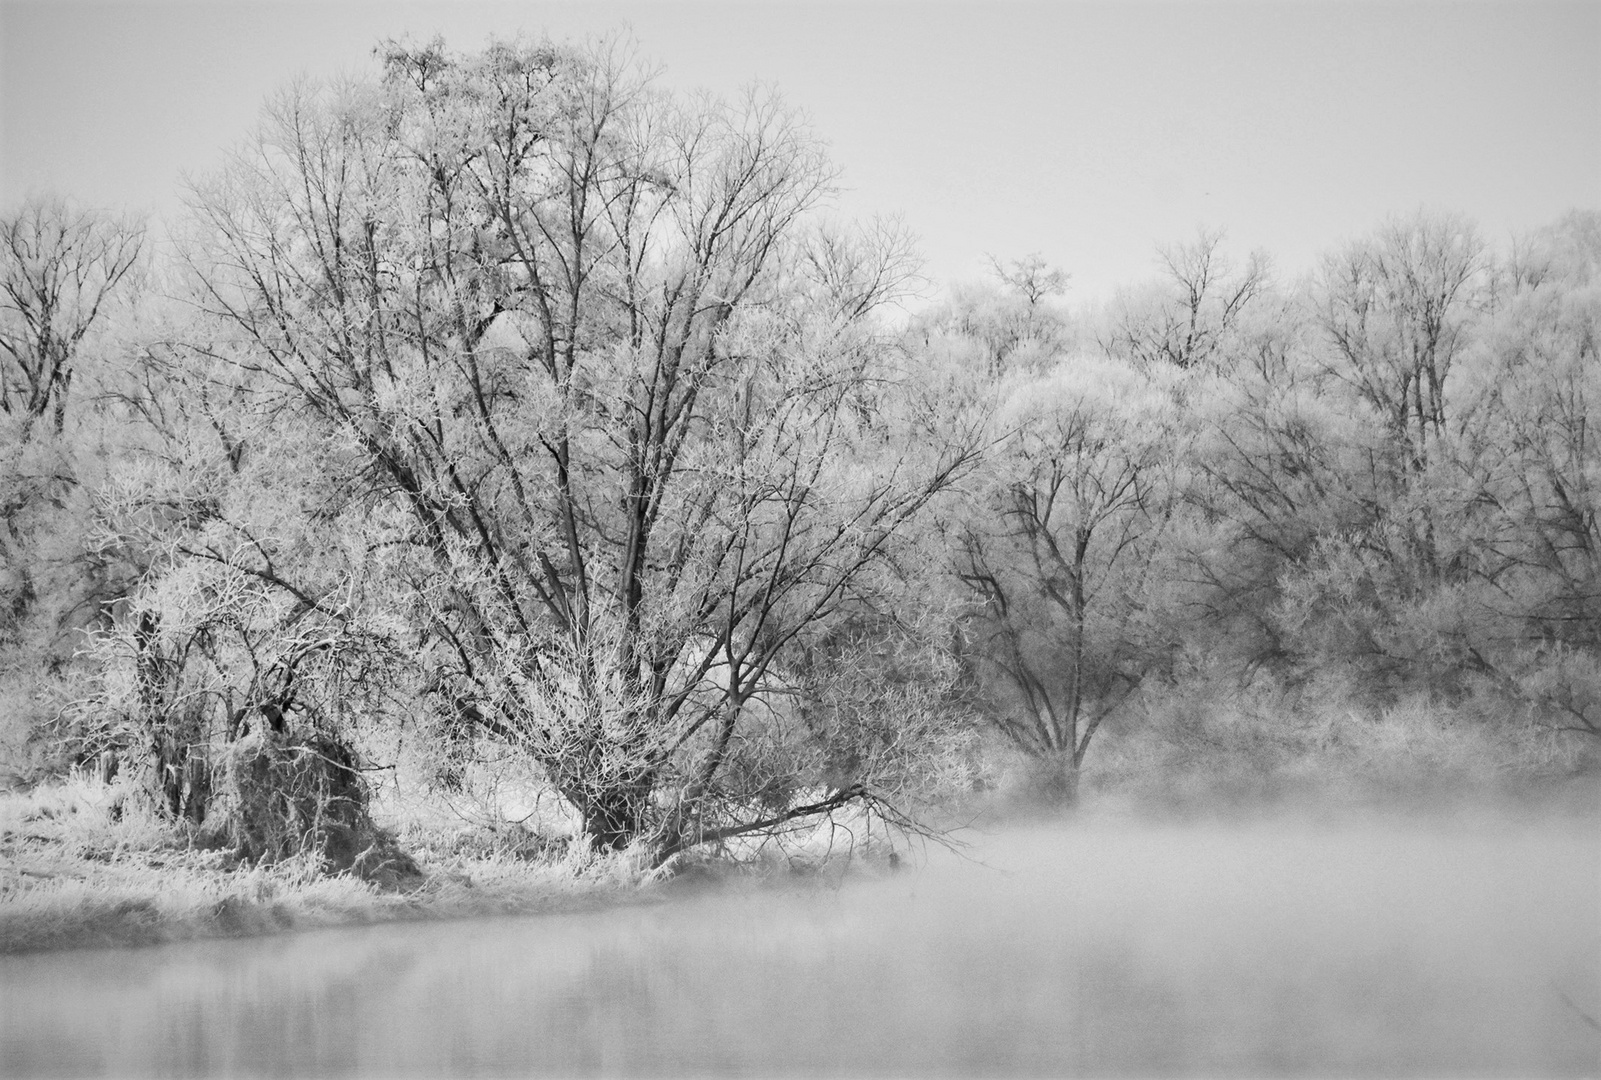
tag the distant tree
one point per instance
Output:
(858, 271)
(1186, 318)
(1033, 278)
(1280, 461)
(1396, 308)
(1001, 325)
(1064, 554)
(1401, 496)
(1525, 465)
(59, 267)
(1568, 250)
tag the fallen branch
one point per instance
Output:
(874, 804)
(832, 802)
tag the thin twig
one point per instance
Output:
(1586, 1017)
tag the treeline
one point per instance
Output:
(1374, 482)
(506, 400)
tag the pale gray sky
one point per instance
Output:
(1089, 132)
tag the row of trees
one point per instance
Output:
(1382, 472)
(507, 398)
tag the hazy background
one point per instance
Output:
(1087, 132)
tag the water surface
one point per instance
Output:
(1372, 947)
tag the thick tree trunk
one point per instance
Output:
(1053, 781)
(180, 777)
(615, 817)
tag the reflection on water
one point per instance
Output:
(1213, 949)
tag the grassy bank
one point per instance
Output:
(83, 865)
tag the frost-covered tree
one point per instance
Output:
(1067, 552)
(1187, 317)
(59, 269)
(621, 429)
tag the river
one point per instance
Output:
(1367, 946)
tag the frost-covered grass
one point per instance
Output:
(85, 863)
(82, 863)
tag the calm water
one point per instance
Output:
(1269, 949)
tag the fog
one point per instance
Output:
(1364, 946)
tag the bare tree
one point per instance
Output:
(58, 268)
(1526, 465)
(620, 463)
(1062, 557)
(1033, 278)
(1395, 308)
(861, 270)
(1009, 323)
(1186, 320)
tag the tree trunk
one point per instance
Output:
(180, 781)
(615, 817)
(1053, 781)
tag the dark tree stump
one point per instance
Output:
(283, 796)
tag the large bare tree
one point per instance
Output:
(622, 433)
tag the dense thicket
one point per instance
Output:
(508, 401)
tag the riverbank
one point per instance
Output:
(53, 900)
(84, 865)
(81, 868)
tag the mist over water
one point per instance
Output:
(1366, 946)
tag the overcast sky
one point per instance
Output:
(1089, 133)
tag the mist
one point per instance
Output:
(1358, 944)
